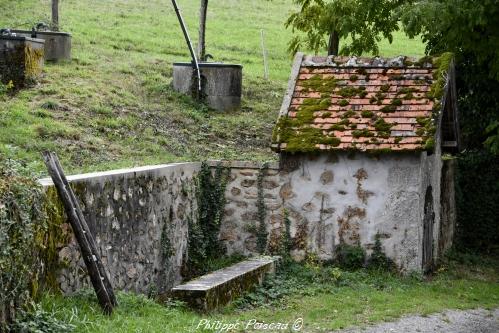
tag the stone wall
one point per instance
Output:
(336, 198)
(139, 218)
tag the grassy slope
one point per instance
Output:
(366, 298)
(113, 106)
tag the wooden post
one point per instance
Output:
(264, 51)
(88, 248)
(55, 15)
(202, 30)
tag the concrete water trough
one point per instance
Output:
(222, 83)
(57, 44)
(21, 59)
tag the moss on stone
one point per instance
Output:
(362, 71)
(343, 102)
(388, 108)
(52, 239)
(382, 126)
(424, 60)
(354, 78)
(319, 83)
(300, 137)
(352, 91)
(306, 111)
(367, 114)
(396, 102)
(442, 65)
(348, 114)
(337, 127)
(384, 88)
(362, 133)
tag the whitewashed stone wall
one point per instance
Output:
(139, 218)
(336, 198)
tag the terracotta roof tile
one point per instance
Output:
(363, 107)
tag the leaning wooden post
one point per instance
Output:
(202, 30)
(88, 248)
(55, 15)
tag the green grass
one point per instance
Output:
(112, 105)
(357, 298)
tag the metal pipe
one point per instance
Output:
(189, 44)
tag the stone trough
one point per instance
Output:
(57, 44)
(222, 83)
(218, 288)
(21, 59)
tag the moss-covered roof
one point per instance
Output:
(362, 103)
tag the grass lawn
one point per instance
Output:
(112, 105)
(323, 301)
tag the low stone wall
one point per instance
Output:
(139, 218)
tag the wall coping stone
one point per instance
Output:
(127, 171)
(243, 164)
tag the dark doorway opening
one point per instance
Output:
(428, 221)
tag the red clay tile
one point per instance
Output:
(404, 117)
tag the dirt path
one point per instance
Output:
(450, 321)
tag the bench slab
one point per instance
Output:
(218, 288)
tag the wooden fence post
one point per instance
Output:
(55, 15)
(264, 52)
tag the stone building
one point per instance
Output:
(365, 148)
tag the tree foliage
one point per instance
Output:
(464, 27)
(365, 22)
(469, 29)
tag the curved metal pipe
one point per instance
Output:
(189, 44)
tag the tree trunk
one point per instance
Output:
(55, 15)
(202, 30)
(334, 44)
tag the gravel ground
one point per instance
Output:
(450, 321)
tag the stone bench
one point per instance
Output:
(218, 288)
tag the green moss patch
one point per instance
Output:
(343, 102)
(352, 91)
(362, 133)
(320, 84)
(300, 137)
(367, 114)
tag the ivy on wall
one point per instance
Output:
(21, 223)
(203, 234)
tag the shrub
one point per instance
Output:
(378, 259)
(21, 218)
(350, 256)
(38, 321)
(291, 278)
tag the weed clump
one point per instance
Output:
(350, 256)
(378, 259)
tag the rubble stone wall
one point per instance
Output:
(139, 218)
(332, 199)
